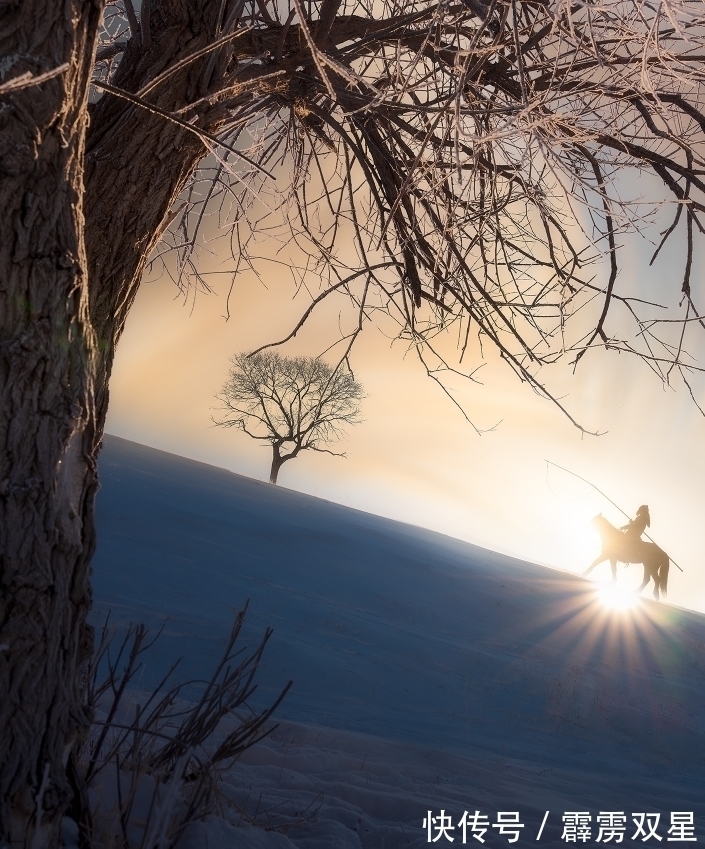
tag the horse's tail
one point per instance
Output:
(663, 573)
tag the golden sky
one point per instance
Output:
(414, 458)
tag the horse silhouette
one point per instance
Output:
(618, 547)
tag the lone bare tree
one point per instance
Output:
(452, 163)
(294, 403)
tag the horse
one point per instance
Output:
(617, 547)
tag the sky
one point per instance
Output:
(413, 457)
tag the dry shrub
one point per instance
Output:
(151, 762)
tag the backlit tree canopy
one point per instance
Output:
(452, 163)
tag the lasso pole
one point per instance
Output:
(597, 489)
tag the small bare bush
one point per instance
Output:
(150, 765)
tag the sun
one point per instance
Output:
(618, 598)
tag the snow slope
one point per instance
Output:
(428, 673)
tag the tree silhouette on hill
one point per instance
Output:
(294, 403)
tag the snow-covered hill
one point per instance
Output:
(428, 673)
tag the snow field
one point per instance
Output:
(428, 674)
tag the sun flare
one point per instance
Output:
(618, 598)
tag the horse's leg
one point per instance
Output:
(613, 566)
(651, 570)
(599, 559)
(647, 576)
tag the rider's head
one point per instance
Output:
(644, 509)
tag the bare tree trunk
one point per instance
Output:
(47, 423)
(137, 163)
(57, 342)
(277, 463)
(65, 292)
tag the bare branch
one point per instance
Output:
(27, 80)
(464, 161)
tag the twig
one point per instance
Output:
(27, 80)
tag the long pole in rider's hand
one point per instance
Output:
(597, 489)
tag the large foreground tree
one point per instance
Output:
(455, 163)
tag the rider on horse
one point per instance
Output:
(625, 545)
(636, 527)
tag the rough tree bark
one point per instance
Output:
(47, 421)
(63, 189)
(137, 163)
